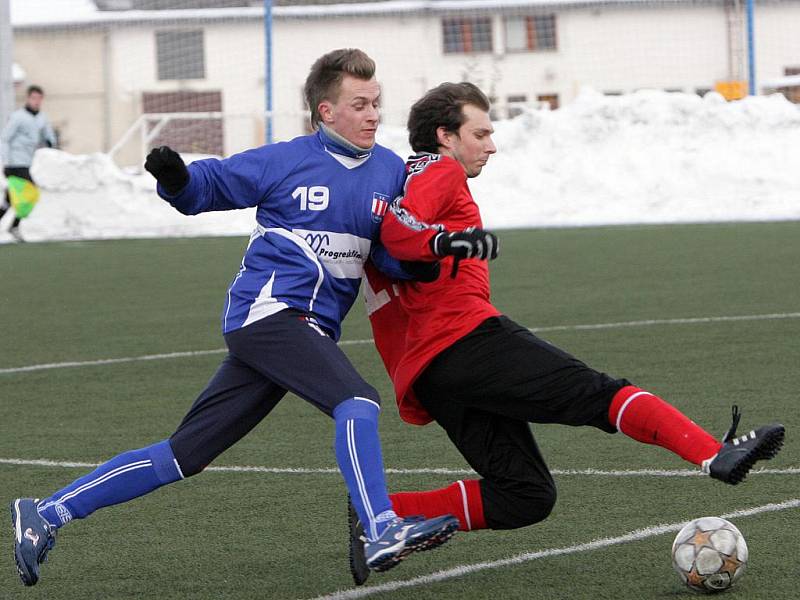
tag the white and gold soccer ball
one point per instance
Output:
(709, 554)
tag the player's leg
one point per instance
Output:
(233, 402)
(292, 350)
(5, 206)
(24, 173)
(516, 488)
(642, 415)
(647, 418)
(544, 384)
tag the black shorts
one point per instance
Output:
(22, 172)
(486, 388)
(502, 368)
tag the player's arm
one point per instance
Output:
(49, 138)
(393, 268)
(410, 222)
(409, 231)
(9, 131)
(207, 185)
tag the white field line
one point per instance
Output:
(41, 462)
(627, 538)
(108, 361)
(587, 327)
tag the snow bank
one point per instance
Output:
(89, 197)
(648, 157)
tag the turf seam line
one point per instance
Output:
(586, 327)
(462, 570)
(42, 462)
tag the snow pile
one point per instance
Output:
(648, 157)
(89, 197)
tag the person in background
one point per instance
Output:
(27, 130)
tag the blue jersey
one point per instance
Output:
(320, 206)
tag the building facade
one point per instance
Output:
(199, 76)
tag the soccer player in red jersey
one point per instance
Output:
(455, 359)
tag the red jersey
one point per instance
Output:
(413, 322)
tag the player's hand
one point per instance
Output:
(470, 243)
(424, 272)
(168, 168)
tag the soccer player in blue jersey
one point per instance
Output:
(320, 200)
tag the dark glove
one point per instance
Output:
(470, 243)
(424, 272)
(168, 168)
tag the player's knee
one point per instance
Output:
(519, 504)
(365, 395)
(190, 467)
(190, 463)
(543, 504)
(370, 394)
(535, 503)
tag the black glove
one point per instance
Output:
(424, 272)
(168, 168)
(470, 243)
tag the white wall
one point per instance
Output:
(70, 70)
(777, 32)
(234, 65)
(610, 48)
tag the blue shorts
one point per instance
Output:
(284, 352)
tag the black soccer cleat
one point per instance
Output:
(358, 560)
(33, 539)
(738, 454)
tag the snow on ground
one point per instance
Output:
(648, 157)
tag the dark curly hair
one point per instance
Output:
(441, 107)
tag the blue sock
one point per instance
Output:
(358, 452)
(124, 477)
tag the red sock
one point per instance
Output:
(647, 418)
(461, 499)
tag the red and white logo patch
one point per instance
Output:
(380, 204)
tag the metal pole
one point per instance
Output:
(6, 62)
(751, 49)
(268, 67)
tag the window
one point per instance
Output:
(202, 135)
(467, 35)
(530, 33)
(180, 55)
(791, 92)
(551, 99)
(494, 115)
(515, 105)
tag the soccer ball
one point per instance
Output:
(709, 554)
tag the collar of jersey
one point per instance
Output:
(336, 144)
